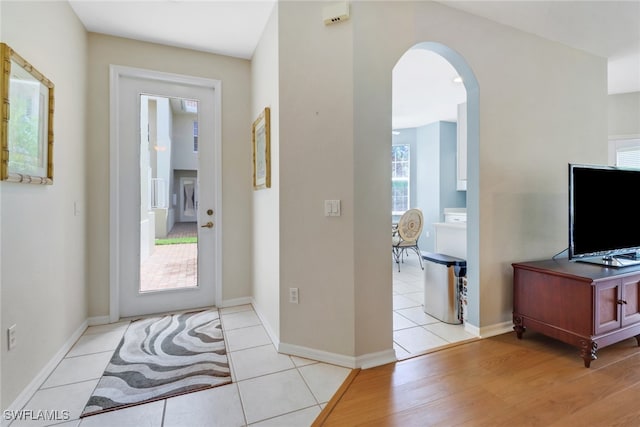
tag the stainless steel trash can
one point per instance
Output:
(443, 276)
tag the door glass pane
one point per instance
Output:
(400, 174)
(169, 194)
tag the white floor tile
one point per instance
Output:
(256, 361)
(240, 319)
(111, 327)
(417, 297)
(323, 379)
(79, 368)
(147, 415)
(219, 406)
(451, 333)
(401, 353)
(69, 399)
(401, 301)
(401, 322)
(402, 288)
(252, 336)
(303, 417)
(74, 423)
(96, 343)
(417, 315)
(236, 309)
(274, 395)
(301, 361)
(418, 339)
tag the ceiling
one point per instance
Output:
(609, 29)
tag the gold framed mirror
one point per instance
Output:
(26, 131)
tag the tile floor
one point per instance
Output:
(268, 389)
(414, 331)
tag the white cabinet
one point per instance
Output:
(461, 179)
(451, 238)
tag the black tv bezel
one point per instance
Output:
(608, 257)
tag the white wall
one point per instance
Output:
(164, 160)
(43, 243)
(624, 115)
(317, 253)
(183, 155)
(542, 105)
(265, 245)
(236, 151)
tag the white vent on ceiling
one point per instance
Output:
(335, 12)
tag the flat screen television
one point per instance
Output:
(604, 226)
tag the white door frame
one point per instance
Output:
(116, 72)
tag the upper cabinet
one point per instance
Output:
(461, 181)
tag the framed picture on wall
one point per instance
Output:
(26, 131)
(261, 142)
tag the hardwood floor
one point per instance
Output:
(498, 381)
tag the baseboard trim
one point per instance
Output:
(235, 301)
(371, 360)
(267, 326)
(472, 329)
(28, 392)
(99, 320)
(496, 329)
(364, 361)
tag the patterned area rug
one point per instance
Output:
(162, 357)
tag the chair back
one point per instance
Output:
(410, 225)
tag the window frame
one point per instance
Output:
(406, 179)
(623, 145)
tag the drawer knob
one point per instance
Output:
(621, 301)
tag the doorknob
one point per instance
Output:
(207, 225)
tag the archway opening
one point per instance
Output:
(435, 168)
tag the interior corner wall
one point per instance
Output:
(234, 74)
(624, 115)
(543, 107)
(436, 170)
(265, 246)
(316, 164)
(43, 228)
(428, 159)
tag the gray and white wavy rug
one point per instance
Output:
(162, 357)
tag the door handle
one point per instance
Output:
(207, 225)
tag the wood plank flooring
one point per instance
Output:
(498, 381)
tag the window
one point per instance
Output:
(625, 153)
(400, 174)
(195, 137)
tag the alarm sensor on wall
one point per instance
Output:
(335, 12)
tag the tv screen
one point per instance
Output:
(603, 221)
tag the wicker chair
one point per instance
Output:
(406, 234)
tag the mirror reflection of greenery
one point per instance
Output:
(23, 126)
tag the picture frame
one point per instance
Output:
(26, 129)
(261, 143)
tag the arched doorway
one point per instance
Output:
(450, 193)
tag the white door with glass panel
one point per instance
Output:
(167, 196)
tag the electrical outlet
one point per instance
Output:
(293, 295)
(11, 337)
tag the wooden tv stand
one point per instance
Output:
(585, 305)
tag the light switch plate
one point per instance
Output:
(332, 208)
